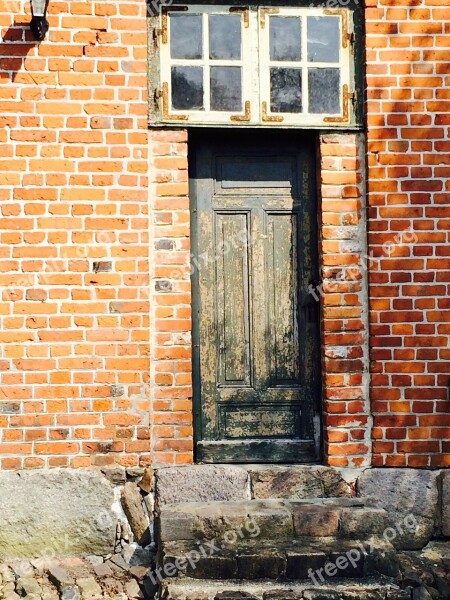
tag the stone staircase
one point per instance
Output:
(313, 548)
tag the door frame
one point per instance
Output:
(343, 212)
(268, 448)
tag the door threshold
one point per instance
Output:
(257, 451)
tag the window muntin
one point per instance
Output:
(306, 84)
(205, 70)
(259, 66)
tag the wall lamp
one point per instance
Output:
(39, 23)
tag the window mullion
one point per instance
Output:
(305, 78)
(305, 87)
(206, 68)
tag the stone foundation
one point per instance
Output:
(107, 516)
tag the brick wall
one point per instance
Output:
(171, 371)
(344, 302)
(77, 330)
(408, 76)
(74, 327)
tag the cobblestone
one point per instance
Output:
(69, 579)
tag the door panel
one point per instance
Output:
(283, 294)
(233, 308)
(256, 376)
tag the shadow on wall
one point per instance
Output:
(16, 48)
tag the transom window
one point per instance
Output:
(256, 66)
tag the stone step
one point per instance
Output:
(299, 559)
(370, 589)
(213, 483)
(343, 518)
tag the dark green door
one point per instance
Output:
(255, 330)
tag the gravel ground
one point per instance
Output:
(74, 579)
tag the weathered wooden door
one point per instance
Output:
(255, 330)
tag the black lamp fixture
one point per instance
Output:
(39, 23)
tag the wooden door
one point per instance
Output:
(255, 325)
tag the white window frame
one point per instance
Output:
(265, 63)
(255, 63)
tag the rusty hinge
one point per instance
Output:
(266, 11)
(164, 95)
(269, 118)
(246, 116)
(155, 35)
(347, 96)
(244, 11)
(164, 20)
(344, 23)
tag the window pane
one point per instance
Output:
(187, 88)
(324, 91)
(225, 37)
(226, 89)
(286, 90)
(285, 38)
(324, 39)
(186, 36)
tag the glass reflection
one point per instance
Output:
(187, 88)
(324, 91)
(285, 90)
(186, 36)
(225, 37)
(285, 38)
(226, 89)
(324, 39)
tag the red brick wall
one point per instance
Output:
(171, 372)
(347, 424)
(74, 327)
(84, 311)
(408, 76)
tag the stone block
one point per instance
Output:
(234, 596)
(273, 520)
(232, 517)
(300, 564)
(268, 564)
(103, 570)
(89, 588)
(411, 499)
(446, 503)
(297, 482)
(116, 475)
(362, 522)
(384, 562)
(208, 521)
(282, 595)
(132, 504)
(71, 593)
(175, 526)
(421, 593)
(28, 586)
(147, 482)
(201, 483)
(321, 595)
(315, 521)
(345, 567)
(213, 567)
(60, 577)
(73, 507)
